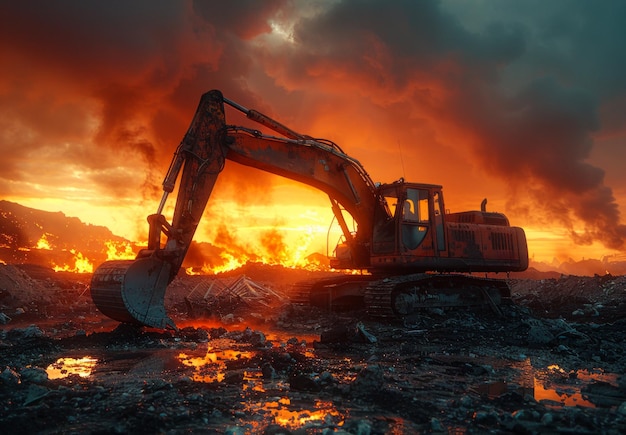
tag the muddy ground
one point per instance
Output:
(553, 362)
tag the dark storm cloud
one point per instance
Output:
(523, 87)
(136, 68)
(244, 18)
(526, 99)
(67, 56)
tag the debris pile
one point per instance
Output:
(539, 368)
(219, 298)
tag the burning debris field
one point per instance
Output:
(247, 359)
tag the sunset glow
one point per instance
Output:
(490, 102)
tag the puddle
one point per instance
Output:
(211, 367)
(292, 415)
(554, 386)
(208, 363)
(64, 367)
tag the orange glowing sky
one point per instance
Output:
(508, 100)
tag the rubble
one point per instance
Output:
(537, 369)
(216, 297)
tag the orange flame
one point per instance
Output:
(269, 249)
(81, 264)
(119, 251)
(43, 243)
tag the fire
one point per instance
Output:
(270, 249)
(43, 243)
(81, 264)
(119, 251)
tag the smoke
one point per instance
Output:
(518, 91)
(522, 117)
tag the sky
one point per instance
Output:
(522, 103)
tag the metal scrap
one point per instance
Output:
(216, 296)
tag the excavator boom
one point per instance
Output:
(402, 228)
(133, 291)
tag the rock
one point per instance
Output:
(358, 427)
(602, 394)
(339, 333)
(234, 377)
(539, 335)
(369, 338)
(304, 382)
(255, 338)
(436, 426)
(268, 371)
(31, 331)
(547, 419)
(34, 375)
(466, 401)
(369, 380)
(485, 417)
(35, 392)
(274, 429)
(9, 378)
(234, 430)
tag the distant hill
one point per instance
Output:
(28, 235)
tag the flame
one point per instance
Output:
(270, 249)
(81, 264)
(119, 251)
(43, 243)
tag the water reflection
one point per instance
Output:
(63, 367)
(563, 388)
(212, 366)
(294, 416)
(553, 386)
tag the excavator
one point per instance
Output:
(412, 252)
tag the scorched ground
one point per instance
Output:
(553, 363)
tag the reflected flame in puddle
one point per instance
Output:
(564, 387)
(553, 385)
(64, 367)
(212, 366)
(282, 412)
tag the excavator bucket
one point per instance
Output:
(133, 291)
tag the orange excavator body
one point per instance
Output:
(402, 227)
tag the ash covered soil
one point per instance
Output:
(552, 362)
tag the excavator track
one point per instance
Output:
(401, 296)
(398, 297)
(339, 293)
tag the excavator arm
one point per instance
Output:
(133, 291)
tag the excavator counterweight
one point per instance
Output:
(403, 234)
